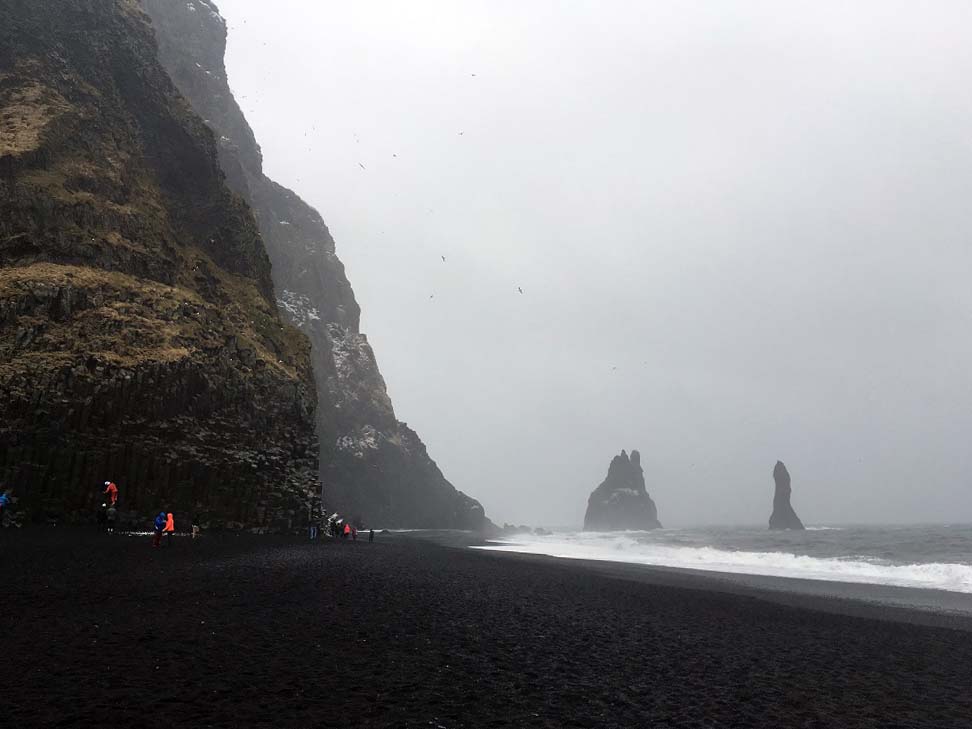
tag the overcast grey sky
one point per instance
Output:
(759, 213)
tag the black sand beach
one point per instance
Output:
(241, 632)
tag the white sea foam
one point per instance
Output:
(857, 569)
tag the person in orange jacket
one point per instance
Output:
(169, 529)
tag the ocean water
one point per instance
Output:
(930, 557)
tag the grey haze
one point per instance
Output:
(741, 230)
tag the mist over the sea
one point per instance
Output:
(742, 235)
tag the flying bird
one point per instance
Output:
(519, 289)
(443, 259)
(361, 165)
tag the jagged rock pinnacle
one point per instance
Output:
(783, 517)
(622, 501)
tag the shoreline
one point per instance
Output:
(914, 605)
(911, 605)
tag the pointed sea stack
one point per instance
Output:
(622, 502)
(783, 515)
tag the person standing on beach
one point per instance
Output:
(111, 491)
(111, 515)
(160, 521)
(169, 529)
(371, 536)
(354, 534)
(314, 515)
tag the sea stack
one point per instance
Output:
(783, 515)
(622, 502)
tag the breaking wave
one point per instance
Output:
(627, 547)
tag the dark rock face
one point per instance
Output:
(372, 465)
(783, 517)
(622, 501)
(139, 336)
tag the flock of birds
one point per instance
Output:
(460, 133)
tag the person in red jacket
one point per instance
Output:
(347, 531)
(112, 492)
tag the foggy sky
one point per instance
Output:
(758, 212)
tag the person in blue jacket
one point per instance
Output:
(4, 503)
(160, 521)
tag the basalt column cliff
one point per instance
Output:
(372, 464)
(139, 336)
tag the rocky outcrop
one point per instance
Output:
(373, 466)
(783, 517)
(139, 334)
(622, 502)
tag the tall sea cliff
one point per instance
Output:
(170, 318)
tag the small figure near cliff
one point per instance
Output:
(111, 491)
(169, 529)
(783, 517)
(315, 514)
(159, 528)
(622, 502)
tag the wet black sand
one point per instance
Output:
(241, 632)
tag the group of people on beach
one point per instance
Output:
(108, 517)
(337, 526)
(164, 522)
(349, 531)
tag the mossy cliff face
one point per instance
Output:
(139, 336)
(372, 464)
